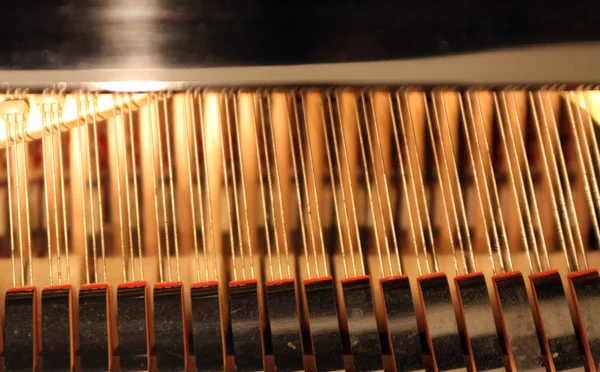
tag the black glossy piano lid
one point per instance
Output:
(76, 34)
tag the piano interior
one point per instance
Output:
(329, 228)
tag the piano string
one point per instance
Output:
(301, 229)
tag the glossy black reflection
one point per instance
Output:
(94, 323)
(324, 324)
(169, 330)
(61, 34)
(57, 328)
(585, 288)
(285, 325)
(206, 324)
(402, 324)
(132, 326)
(20, 329)
(480, 328)
(245, 325)
(558, 333)
(519, 329)
(364, 337)
(442, 330)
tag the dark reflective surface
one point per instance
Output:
(444, 339)
(75, 34)
(559, 332)
(481, 333)
(364, 338)
(245, 325)
(519, 329)
(94, 349)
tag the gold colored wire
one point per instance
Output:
(405, 187)
(342, 187)
(315, 193)
(55, 202)
(297, 186)
(385, 187)
(118, 169)
(135, 187)
(99, 182)
(461, 201)
(29, 248)
(171, 188)
(162, 189)
(229, 210)
(62, 190)
(48, 221)
(151, 113)
(277, 178)
(243, 182)
(441, 184)
(82, 190)
(90, 187)
(264, 196)
(485, 182)
(207, 183)
(10, 201)
(369, 191)
(191, 186)
(334, 192)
